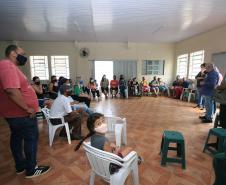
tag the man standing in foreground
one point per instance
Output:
(208, 86)
(19, 105)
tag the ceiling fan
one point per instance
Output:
(84, 52)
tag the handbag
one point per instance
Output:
(220, 96)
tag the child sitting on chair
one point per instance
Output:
(97, 129)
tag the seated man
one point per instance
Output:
(122, 86)
(163, 87)
(114, 86)
(61, 107)
(154, 86)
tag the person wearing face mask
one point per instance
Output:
(19, 105)
(97, 130)
(104, 83)
(79, 94)
(114, 86)
(62, 107)
(37, 86)
(53, 87)
(76, 102)
(93, 88)
(122, 86)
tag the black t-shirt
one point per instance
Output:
(200, 74)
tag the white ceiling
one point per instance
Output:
(109, 20)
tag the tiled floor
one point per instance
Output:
(147, 118)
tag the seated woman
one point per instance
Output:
(191, 88)
(163, 87)
(93, 88)
(79, 94)
(53, 88)
(177, 87)
(37, 86)
(104, 83)
(144, 85)
(97, 130)
(154, 86)
(114, 86)
(134, 87)
(182, 83)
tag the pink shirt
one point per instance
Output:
(12, 78)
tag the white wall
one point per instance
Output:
(137, 51)
(47, 48)
(100, 51)
(213, 41)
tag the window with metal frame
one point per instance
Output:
(182, 65)
(196, 59)
(153, 67)
(60, 66)
(39, 67)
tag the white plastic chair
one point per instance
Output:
(182, 93)
(118, 126)
(189, 96)
(53, 128)
(100, 161)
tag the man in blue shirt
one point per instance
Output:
(208, 86)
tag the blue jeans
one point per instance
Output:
(24, 140)
(122, 91)
(82, 106)
(209, 104)
(200, 99)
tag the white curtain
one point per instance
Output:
(128, 68)
(92, 68)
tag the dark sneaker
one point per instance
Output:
(39, 170)
(20, 171)
(202, 117)
(207, 120)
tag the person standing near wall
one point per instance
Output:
(222, 114)
(19, 105)
(208, 86)
(200, 77)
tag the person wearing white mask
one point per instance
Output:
(97, 130)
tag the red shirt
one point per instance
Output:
(114, 83)
(12, 78)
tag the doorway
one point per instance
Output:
(101, 68)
